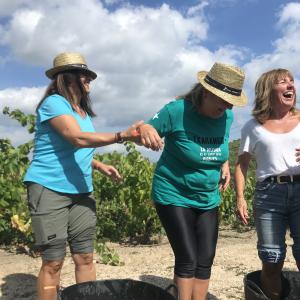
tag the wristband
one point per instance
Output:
(118, 138)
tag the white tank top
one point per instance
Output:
(275, 153)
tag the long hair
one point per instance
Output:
(264, 92)
(195, 95)
(61, 85)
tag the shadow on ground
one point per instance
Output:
(165, 282)
(19, 286)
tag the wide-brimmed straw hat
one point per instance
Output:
(226, 82)
(69, 61)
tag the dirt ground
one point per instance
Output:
(236, 256)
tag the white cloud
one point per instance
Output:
(24, 99)
(290, 13)
(285, 54)
(143, 56)
(289, 24)
(7, 7)
(16, 134)
(111, 2)
(197, 8)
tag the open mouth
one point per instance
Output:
(288, 94)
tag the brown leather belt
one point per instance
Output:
(283, 178)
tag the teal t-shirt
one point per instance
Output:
(56, 163)
(188, 171)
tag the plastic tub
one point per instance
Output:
(115, 289)
(290, 284)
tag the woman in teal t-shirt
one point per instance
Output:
(192, 169)
(59, 178)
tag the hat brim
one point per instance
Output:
(54, 71)
(232, 99)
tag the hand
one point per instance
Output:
(225, 177)
(241, 210)
(107, 170)
(150, 138)
(132, 133)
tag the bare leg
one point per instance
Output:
(185, 287)
(200, 289)
(84, 267)
(271, 279)
(48, 280)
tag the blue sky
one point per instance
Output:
(144, 52)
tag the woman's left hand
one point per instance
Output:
(225, 177)
(107, 170)
(150, 137)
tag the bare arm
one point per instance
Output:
(225, 176)
(69, 129)
(240, 175)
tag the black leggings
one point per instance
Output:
(193, 235)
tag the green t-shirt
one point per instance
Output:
(188, 171)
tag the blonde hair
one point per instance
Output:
(264, 92)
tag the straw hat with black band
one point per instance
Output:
(68, 61)
(226, 82)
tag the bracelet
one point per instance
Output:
(118, 138)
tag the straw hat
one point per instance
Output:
(69, 61)
(226, 82)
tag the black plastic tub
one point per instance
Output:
(290, 284)
(115, 289)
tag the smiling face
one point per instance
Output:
(275, 94)
(213, 106)
(284, 93)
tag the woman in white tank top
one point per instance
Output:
(272, 137)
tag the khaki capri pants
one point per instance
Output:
(58, 218)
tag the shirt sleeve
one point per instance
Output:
(54, 106)
(246, 142)
(161, 121)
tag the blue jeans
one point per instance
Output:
(276, 208)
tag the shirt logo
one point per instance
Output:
(155, 116)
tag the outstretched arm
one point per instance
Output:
(69, 129)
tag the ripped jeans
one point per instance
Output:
(276, 208)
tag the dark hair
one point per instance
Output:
(195, 95)
(61, 85)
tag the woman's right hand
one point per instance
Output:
(132, 133)
(242, 210)
(143, 134)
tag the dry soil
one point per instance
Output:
(236, 256)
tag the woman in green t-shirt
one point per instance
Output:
(192, 169)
